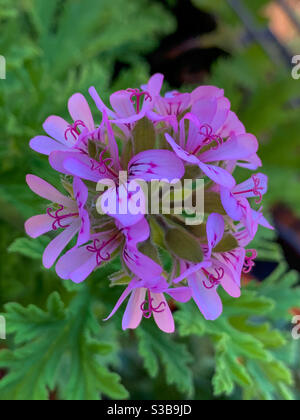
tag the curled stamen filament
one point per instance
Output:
(147, 307)
(98, 248)
(73, 129)
(207, 132)
(136, 96)
(104, 165)
(256, 190)
(58, 218)
(213, 280)
(249, 261)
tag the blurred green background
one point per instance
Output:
(57, 345)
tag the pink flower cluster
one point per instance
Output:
(195, 131)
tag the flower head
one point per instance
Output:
(145, 139)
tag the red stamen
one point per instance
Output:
(73, 129)
(256, 190)
(213, 280)
(98, 249)
(136, 96)
(57, 224)
(207, 132)
(104, 165)
(249, 261)
(148, 311)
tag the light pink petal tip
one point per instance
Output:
(164, 319)
(156, 164)
(47, 191)
(133, 314)
(80, 111)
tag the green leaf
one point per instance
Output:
(244, 345)
(153, 345)
(55, 349)
(31, 248)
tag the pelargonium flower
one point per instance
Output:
(147, 299)
(78, 263)
(66, 214)
(65, 136)
(147, 137)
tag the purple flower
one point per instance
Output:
(105, 170)
(67, 214)
(79, 263)
(147, 166)
(130, 105)
(146, 301)
(205, 124)
(65, 136)
(223, 269)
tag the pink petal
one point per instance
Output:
(232, 126)
(141, 265)
(205, 110)
(222, 113)
(247, 188)
(38, 225)
(137, 233)
(57, 160)
(80, 111)
(56, 127)
(133, 314)
(154, 85)
(99, 103)
(261, 220)
(76, 265)
(121, 103)
(207, 92)
(219, 175)
(181, 294)
(120, 122)
(55, 248)
(168, 119)
(81, 192)
(85, 230)
(182, 154)
(236, 148)
(85, 168)
(234, 262)
(156, 164)
(173, 106)
(113, 146)
(132, 285)
(164, 320)
(47, 191)
(232, 206)
(253, 163)
(215, 230)
(46, 145)
(230, 286)
(191, 270)
(207, 300)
